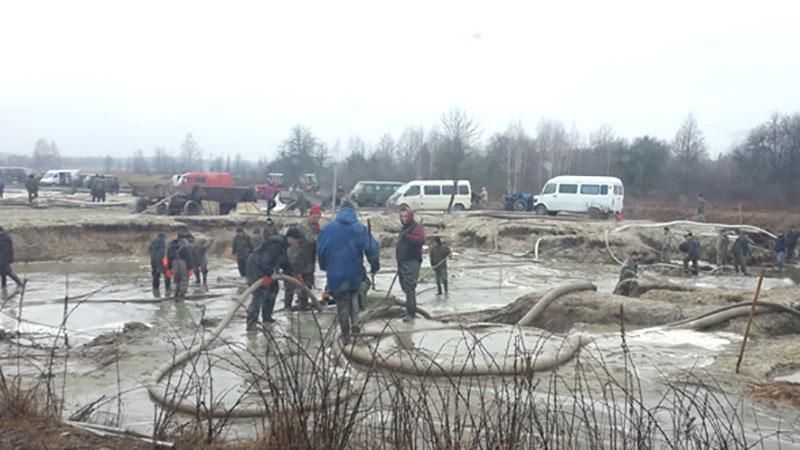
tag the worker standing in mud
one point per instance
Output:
(32, 186)
(741, 251)
(179, 257)
(692, 254)
(242, 248)
(264, 262)
(722, 249)
(6, 258)
(102, 187)
(159, 265)
(341, 248)
(409, 259)
(200, 248)
(439, 254)
(629, 272)
(780, 250)
(666, 247)
(303, 258)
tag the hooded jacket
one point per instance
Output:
(267, 259)
(6, 249)
(158, 250)
(412, 238)
(341, 248)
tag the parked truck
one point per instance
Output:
(185, 194)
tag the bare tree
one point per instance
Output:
(409, 150)
(457, 138)
(603, 141)
(45, 155)
(191, 155)
(138, 163)
(690, 150)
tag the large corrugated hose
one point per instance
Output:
(182, 406)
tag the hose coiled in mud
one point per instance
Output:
(407, 364)
(185, 407)
(728, 312)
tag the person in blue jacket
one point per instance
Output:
(341, 248)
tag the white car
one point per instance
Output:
(597, 196)
(432, 195)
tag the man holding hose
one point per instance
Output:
(265, 261)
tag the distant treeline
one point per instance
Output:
(765, 166)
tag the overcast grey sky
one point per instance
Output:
(108, 77)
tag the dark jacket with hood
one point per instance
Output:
(6, 249)
(158, 250)
(267, 259)
(180, 249)
(341, 248)
(412, 238)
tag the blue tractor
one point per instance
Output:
(519, 202)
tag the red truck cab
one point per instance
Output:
(205, 179)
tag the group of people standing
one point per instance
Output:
(97, 187)
(177, 261)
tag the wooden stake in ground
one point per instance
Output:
(750, 319)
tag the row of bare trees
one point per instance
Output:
(766, 165)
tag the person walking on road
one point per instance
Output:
(409, 259)
(6, 258)
(263, 263)
(242, 248)
(439, 254)
(341, 248)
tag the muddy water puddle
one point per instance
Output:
(477, 281)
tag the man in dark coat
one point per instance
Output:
(180, 258)
(264, 262)
(242, 248)
(6, 258)
(692, 254)
(158, 264)
(409, 259)
(32, 186)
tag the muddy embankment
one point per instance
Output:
(54, 236)
(118, 235)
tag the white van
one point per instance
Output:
(432, 195)
(596, 196)
(62, 177)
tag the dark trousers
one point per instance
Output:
(5, 271)
(157, 273)
(346, 311)
(302, 297)
(263, 302)
(693, 260)
(408, 273)
(441, 278)
(739, 262)
(241, 263)
(202, 270)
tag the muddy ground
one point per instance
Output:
(496, 275)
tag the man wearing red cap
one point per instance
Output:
(302, 258)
